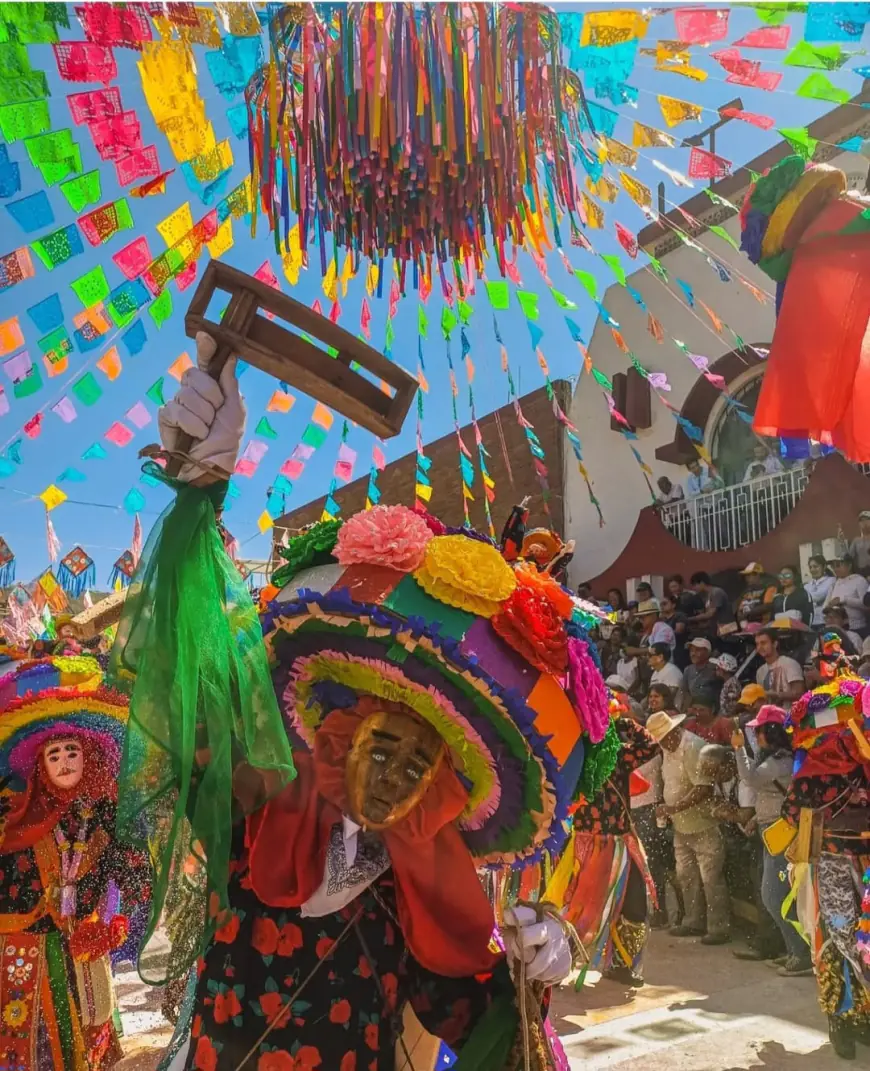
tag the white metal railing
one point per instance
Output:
(735, 516)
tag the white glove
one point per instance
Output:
(543, 946)
(212, 411)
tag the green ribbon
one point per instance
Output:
(190, 651)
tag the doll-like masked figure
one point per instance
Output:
(62, 875)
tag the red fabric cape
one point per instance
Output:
(445, 916)
(38, 809)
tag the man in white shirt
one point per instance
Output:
(699, 479)
(781, 677)
(653, 629)
(763, 463)
(698, 844)
(849, 590)
(665, 672)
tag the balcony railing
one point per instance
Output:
(738, 515)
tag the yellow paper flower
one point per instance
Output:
(16, 1013)
(466, 573)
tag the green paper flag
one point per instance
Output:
(499, 295)
(824, 57)
(314, 436)
(716, 229)
(50, 148)
(718, 200)
(87, 389)
(465, 312)
(819, 87)
(155, 392)
(265, 430)
(33, 86)
(615, 266)
(658, 268)
(161, 308)
(92, 287)
(601, 379)
(27, 120)
(799, 139)
(422, 322)
(54, 171)
(389, 335)
(588, 280)
(448, 321)
(31, 383)
(562, 301)
(82, 190)
(528, 303)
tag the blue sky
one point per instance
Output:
(93, 516)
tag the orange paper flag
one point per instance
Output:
(281, 402)
(110, 364)
(322, 417)
(179, 366)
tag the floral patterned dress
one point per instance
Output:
(57, 1014)
(347, 977)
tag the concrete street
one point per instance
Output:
(702, 1010)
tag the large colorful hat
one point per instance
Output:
(27, 723)
(441, 623)
(830, 727)
(57, 671)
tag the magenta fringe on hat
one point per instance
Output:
(587, 691)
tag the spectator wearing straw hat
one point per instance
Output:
(859, 548)
(698, 844)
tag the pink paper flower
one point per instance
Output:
(386, 535)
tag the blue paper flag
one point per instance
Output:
(135, 338)
(134, 501)
(638, 299)
(853, 144)
(535, 332)
(232, 67)
(605, 316)
(689, 293)
(71, 476)
(575, 330)
(47, 314)
(94, 453)
(10, 174)
(237, 117)
(836, 21)
(32, 213)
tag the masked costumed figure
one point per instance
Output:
(540, 547)
(826, 829)
(428, 743)
(62, 875)
(603, 879)
(802, 230)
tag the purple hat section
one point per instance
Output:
(512, 770)
(483, 644)
(36, 678)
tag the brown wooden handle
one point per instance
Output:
(241, 309)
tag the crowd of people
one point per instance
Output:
(708, 680)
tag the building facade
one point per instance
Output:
(729, 298)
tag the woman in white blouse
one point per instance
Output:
(818, 587)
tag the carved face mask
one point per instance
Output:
(64, 762)
(390, 765)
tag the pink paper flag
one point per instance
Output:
(365, 319)
(119, 434)
(33, 427)
(185, 278)
(703, 164)
(292, 469)
(116, 136)
(134, 258)
(343, 471)
(4, 402)
(763, 122)
(138, 164)
(65, 410)
(395, 294)
(302, 452)
(626, 239)
(317, 307)
(265, 273)
(334, 312)
(717, 381)
(701, 25)
(378, 458)
(179, 366)
(138, 415)
(81, 61)
(766, 37)
(97, 104)
(244, 468)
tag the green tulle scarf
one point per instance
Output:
(189, 651)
